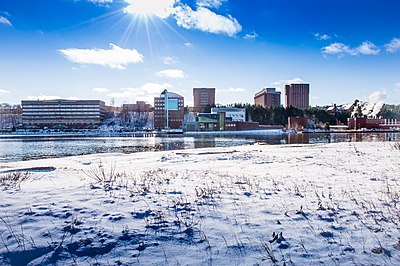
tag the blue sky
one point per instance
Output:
(130, 50)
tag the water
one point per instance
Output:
(17, 148)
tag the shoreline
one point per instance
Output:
(269, 132)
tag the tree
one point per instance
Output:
(208, 107)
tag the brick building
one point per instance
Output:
(268, 97)
(138, 107)
(297, 95)
(168, 111)
(203, 97)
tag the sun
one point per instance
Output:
(148, 8)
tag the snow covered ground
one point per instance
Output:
(332, 204)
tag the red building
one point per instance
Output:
(203, 97)
(297, 122)
(268, 97)
(297, 95)
(367, 123)
(168, 111)
(138, 107)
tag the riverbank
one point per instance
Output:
(100, 133)
(257, 204)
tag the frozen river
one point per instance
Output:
(17, 148)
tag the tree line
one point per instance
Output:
(278, 115)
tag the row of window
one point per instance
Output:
(59, 113)
(61, 109)
(169, 120)
(60, 106)
(59, 117)
(62, 122)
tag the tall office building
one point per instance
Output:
(203, 97)
(268, 97)
(62, 113)
(297, 95)
(168, 111)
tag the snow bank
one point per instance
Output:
(250, 205)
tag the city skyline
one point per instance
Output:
(132, 50)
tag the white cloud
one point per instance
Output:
(209, 3)
(233, 90)
(252, 35)
(340, 49)
(321, 37)
(205, 20)
(146, 92)
(397, 84)
(172, 73)
(2, 92)
(50, 97)
(100, 90)
(159, 8)
(201, 19)
(5, 21)
(188, 44)
(368, 48)
(116, 57)
(393, 46)
(168, 60)
(284, 82)
(101, 2)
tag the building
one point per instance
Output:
(168, 111)
(268, 97)
(219, 122)
(62, 114)
(297, 95)
(203, 97)
(138, 107)
(297, 123)
(136, 116)
(357, 123)
(10, 117)
(235, 114)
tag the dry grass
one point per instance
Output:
(108, 179)
(396, 146)
(13, 179)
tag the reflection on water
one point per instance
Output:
(37, 147)
(341, 137)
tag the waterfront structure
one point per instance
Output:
(268, 97)
(219, 122)
(297, 95)
(202, 98)
(168, 111)
(62, 114)
(236, 114)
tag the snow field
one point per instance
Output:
(332, 204)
